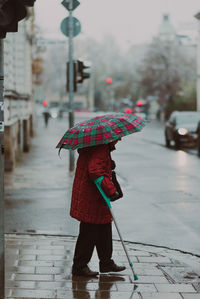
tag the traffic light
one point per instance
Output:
(11, 12)
(74, 77)
(81, 75)
(142, 106)
(139, 103)
(44, 103)
(128, 110)
(109, 80)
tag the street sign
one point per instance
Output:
(65, 26)
(66, 4)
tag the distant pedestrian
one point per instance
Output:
(46, 116)
(89, 207)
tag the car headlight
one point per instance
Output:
(182, 131)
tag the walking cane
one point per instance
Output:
(107, 199)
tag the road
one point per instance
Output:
(161, 204)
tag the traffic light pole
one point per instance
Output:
(2, 259)
(71, 82)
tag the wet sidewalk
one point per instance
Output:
(40, 267)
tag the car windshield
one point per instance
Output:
(189, 118)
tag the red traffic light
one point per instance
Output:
(128, 110)
(109, 80)
(44, 103)
(139, 103)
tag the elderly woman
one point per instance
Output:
(89, 207)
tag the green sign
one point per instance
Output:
(65, 26)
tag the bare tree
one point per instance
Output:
(164, 69)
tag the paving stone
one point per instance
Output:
(12, 242)
(10, 276)
(31, 247)
(152, 279)
(11, 251)
(67, 243)
(11, 263)
(71, 278)
(11, 259)
(161, 296)
(39, 242)
(85, 286)
(21, 269)
(50, 285)
(154, 259)
(139, 253)
(45, 247)
(66, 263)
(34, 277)
(143, 272)
(149, 288)
(20, 284)
(59, 251)
(190, 296)
(36, 263)
(145, 265)
(51, 257)
(123, 258)
(8, 293)
(111, 286)
(34, 251)
(175, 288)
(116, 295)
(151, 266)
(93, 286)
(63, 277)
(49, 270)
(68, 294)
(33, 293)
(27, 257)
(114, 278)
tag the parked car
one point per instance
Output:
(181, 128)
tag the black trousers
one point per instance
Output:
(91, 236)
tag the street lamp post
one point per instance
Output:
(70, 27)
(197, 16)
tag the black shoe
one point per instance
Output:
(84, 272)
(111, 267)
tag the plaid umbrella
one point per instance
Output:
(101, 130)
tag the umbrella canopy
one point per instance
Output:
(101, 130)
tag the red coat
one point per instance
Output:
(87, 204)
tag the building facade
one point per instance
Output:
(18, 91)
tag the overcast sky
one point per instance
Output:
(130, 21)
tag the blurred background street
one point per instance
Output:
(161, 188)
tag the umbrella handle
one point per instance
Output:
(107, 199)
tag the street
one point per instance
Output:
(161, 203)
